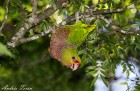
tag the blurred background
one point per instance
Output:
(34, 67)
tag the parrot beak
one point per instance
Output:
(75, 66)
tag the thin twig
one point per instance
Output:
(77, 16)
(118, 29)
(6, 15)
(108, 11)
(24, 40)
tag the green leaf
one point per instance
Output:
(127, 2)
(1, 34)
(91, 42)
(93, 81)
(91, 73)
(84, 60)
(137, 87)
(86, 2)
(132, 70)
(138, 46)
(123, 83)
(104, 73)
(132, 39)
(132, 26)
(81, 52)
(82, 8)
(121, 55)
(91, 67)
(5, 51)
(127, 73)
(138, 6)
(103, 79)
(124, 68)
(91, 59)
(113, 68)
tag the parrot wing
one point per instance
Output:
(58, 41)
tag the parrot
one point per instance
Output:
(65, 40)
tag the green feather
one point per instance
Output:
(78, 33)
(67, 54)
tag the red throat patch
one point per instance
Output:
(76, 61)
(75, 65)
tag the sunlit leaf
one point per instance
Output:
(86, 2)
(91, 73)
(104, 73)
(123, 83)
(94, 2)
(124, 68)
(93, 81)
(127, 73)
(81, 52)
(127, 2)
(2, 13)
(5, 51)
(91, 67)
(104, 80)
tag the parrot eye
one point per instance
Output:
(73, 57)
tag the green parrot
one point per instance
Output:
(65, 41)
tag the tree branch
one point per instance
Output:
(131, 32)
(6, 15)
(24, 40)
(118, 29)
(109, 11)
(30, 23)
(34, 16)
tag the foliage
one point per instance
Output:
(114, 41)
(5, 51)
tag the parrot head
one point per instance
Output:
(76, 63)
(70, 58)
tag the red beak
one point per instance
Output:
(75, 65)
